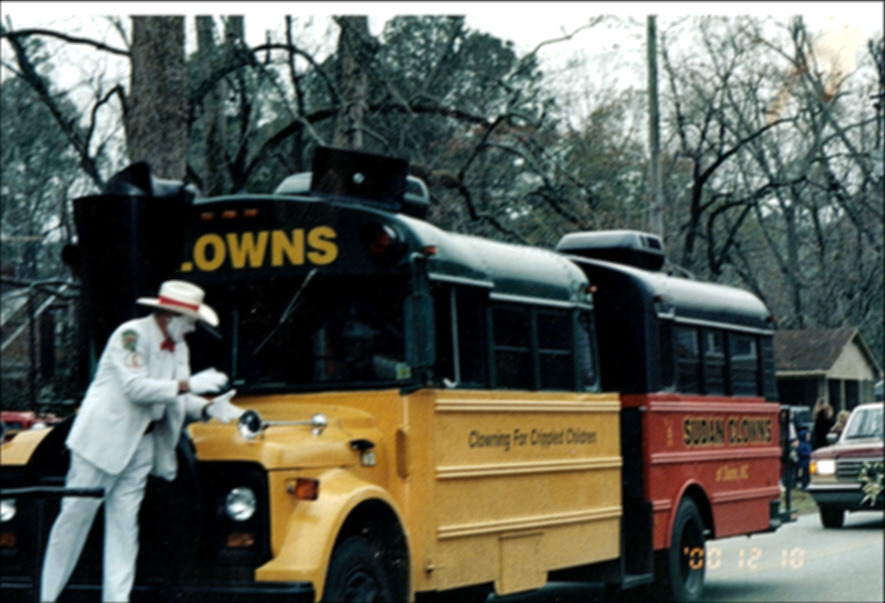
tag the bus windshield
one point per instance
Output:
(317, 332)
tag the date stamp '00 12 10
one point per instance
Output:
(750, 558)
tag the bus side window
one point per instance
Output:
(555, 349)
(744, 362)
(688, 359)
(585, 352)
(534, 348)
(714, 361)
(512, 347)
(666, 360)
(472, 336)
(461, 348)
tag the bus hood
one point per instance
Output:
(293, 435)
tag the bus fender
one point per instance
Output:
(314, 527)
(20, 449)
(43, 451)
(693, 490)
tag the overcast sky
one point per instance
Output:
(526, 23)
(618, 54)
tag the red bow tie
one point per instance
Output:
(168, 344)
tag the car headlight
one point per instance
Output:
(823, 467)
(7, 509)
(240, 504)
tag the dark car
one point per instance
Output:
(801, 417)
(847, 476)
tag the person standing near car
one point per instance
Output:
(839, 426)
(128, 428)
(789, 446)
(823, 422)
(803, 450)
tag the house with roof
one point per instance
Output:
(834, 364)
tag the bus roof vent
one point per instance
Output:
(629, 247)
(361, 178)
(136, 180)
(296, 184)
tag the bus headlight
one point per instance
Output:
(240, 504)
(823, 467)
(7, 509)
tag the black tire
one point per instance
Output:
(831, 517)
(357, 574)
(681, 568)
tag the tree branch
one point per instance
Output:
(48, 33)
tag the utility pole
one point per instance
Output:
(877, 155)
(656, 202)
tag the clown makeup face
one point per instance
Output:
(179, 326)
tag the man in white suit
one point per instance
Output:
(127, 428)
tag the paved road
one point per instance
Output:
(800, 562)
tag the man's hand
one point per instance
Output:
(209, 381)
(222, 410)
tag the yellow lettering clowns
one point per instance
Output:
(698, 432)
(274, 248)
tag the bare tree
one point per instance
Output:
(157, 112)
(356, 49)
(212, 143)
(781, 192)
(79, 130)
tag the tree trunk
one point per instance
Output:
(156, 116)
(213, 140)
(356, 48)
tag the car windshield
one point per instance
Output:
(865, 423)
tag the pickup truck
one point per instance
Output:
(847, 475)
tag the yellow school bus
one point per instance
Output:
(425, 416)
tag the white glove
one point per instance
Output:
(222, 410)
(209, 381)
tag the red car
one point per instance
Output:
(847, 476)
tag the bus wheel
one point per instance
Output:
(356, 574)
(681, 567)
(832, 518)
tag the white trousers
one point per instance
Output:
(123, 496)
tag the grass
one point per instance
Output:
(800, 501)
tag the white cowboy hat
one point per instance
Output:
(184, 298)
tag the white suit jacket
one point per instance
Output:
(134, 383)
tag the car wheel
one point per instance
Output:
(832, 518)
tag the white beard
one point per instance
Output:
(179, 326)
